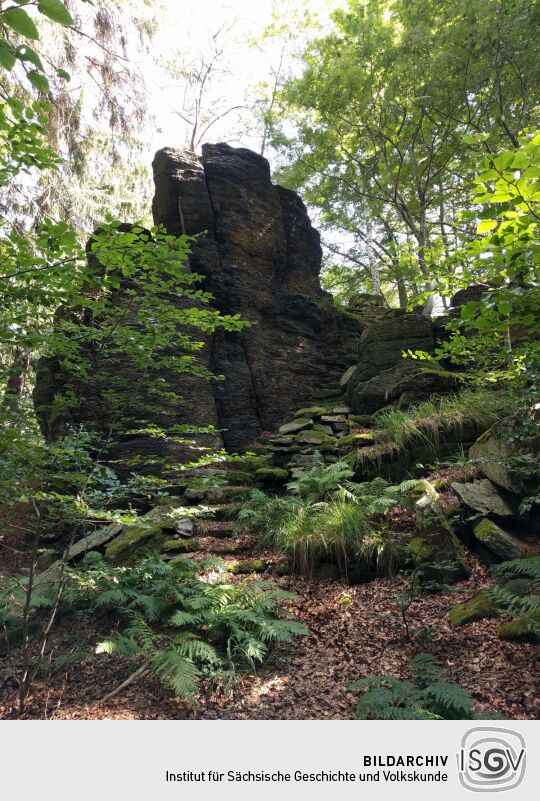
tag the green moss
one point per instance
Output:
(476, 609)
(484, 437)
(179, 546)
(524, 628)
(484, 529)
(498, 540)
(134, 538)
(248, 566)
(240, 476)
(364, 438)
(272, 474)
(309, 411)
(421, 551)
(437, 551)
(252, 463)
(315, 437)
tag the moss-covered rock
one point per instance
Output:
(438, 553)
(216, 494)
(179, 546)
(297, 425)
(240, 476)
(310, 412)
(317, 436)
(252, 463)
(272, 475)
(145, 536)
(525, 628)
(498, 541)
(478, 608)
(493, 455)
(247, 566)
(360, 440)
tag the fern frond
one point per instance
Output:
(177, 671)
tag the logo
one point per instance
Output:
(491, 760)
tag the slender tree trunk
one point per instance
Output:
(422, 241)
(16, 380)
(402, 293)
(373, 266)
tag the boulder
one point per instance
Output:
(383, 342)
(499, 541)
(296, 426)
(484, 497)
(405, 383)
(151, 532)
(310, 411)
(144, 536)
(438, 554)
(478, 608)
(525, 628)
(492, 455)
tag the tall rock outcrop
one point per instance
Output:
(260, 258)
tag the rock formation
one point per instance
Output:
(260, 258)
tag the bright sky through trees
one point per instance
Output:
(189, 30)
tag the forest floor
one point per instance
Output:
(355, 631)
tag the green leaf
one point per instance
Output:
(26, 53)
(56, 11)
(485, 226)
(7, 56)
(38, 80)
(469, 310)
(63, 74)
(18, 20)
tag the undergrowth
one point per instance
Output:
(181, 625)
(426, 696)
(327, 516)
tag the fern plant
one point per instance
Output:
(182, 626)
(426, 696)
(518, 592)
(319, 480)
(327, 517)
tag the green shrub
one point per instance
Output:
(425, 697)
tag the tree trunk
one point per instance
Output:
(16, 380)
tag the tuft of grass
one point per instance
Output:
(427, 422)
(342, 527)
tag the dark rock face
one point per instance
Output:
(260, 258)
(383, 376)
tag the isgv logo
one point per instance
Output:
(491, 760)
